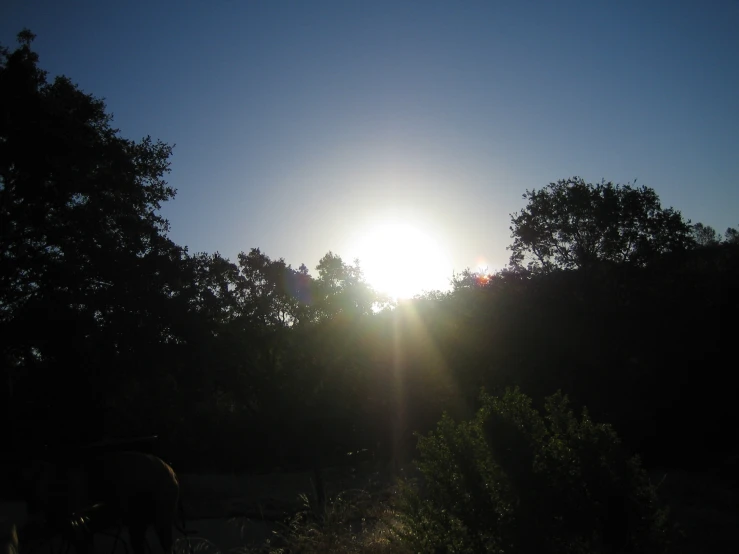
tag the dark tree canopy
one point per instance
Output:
(731, 236)
(341, 288)
(705, 235)
(88, 272)
(571, 224)
(271, 292)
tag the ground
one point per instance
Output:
(228, 512)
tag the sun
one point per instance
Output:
(401, 261)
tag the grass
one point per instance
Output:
(353, 521)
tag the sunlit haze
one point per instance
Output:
(296, 123)
(401, 260)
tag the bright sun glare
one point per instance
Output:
(401, 261)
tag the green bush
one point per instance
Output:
(517, 481)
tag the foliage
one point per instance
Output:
(731, 236)
(705, 235)
(272, 293)
(572, 224)
(512, 479)
(112, 328)
(89, 278)
(341, 288)
(109, 328)
(351, 521)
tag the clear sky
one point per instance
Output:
(301, 126)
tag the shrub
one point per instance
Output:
(515, 480)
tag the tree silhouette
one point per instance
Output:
(571, 224)
(731, 236)
(341, 288)
(271, 292)
(705, 235)
(88, 275)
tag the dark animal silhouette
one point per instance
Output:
(80, 497)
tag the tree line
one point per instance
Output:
(111, 329)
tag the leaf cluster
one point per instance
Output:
(513, 479)
(573, 224)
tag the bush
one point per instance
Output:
(514, 480)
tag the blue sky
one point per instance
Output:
(301, 125)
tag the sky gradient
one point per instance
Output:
(300, 125)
